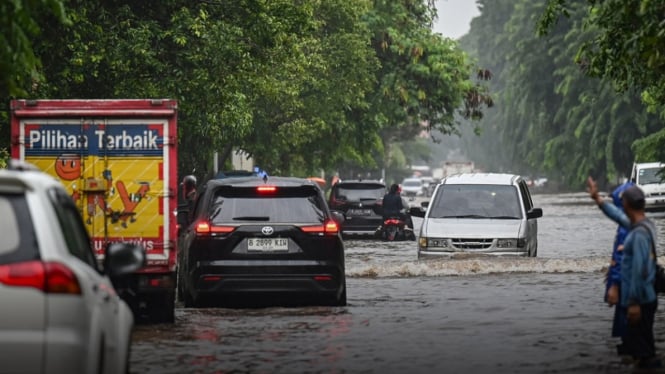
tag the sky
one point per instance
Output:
(455, 17)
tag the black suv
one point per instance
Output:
(250, 239)
(361, 201)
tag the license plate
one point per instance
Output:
(360, 212)
(267, 244)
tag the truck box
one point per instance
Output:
(118, 159)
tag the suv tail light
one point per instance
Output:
(49, 277)
(204, 228)
(266, 189)
(329, 227)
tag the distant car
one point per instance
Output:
(480, 213)
(361, 203)
(428, 185)
(270, 242)
(60, 312)
(413, 187)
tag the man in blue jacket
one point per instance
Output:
(638, 272)
(613, 286)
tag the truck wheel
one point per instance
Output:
(179, 288)
(162, 308)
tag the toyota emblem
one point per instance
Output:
(267, 230)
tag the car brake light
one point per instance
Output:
(266, 189)
(391, 221)
(204, 228)
(49, 277)
(60, 279)
(330, 227)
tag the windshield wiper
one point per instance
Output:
(252, 218)
(463, 216)
(504, 217)
(469, 216)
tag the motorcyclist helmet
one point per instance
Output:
(394, 188)
(189, 181)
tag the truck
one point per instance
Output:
(650, 177)
(457, 167)
(118, 160)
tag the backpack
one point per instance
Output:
(659, 281)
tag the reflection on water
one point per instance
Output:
(466, 314)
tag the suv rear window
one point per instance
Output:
(18, 236)
(359, 191)
(286, 204)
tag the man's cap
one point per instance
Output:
(634, 196)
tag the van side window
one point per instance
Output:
(526, 196)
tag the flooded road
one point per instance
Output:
(466, 314)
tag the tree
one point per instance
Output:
(626, 49)
(19, 65)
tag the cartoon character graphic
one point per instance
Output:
(129, 202)
(68, 166)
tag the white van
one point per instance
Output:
(647, 176)
(486, 213)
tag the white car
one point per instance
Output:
(486, 213)
(412, 187)
(59, 312)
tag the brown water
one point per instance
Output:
(466, 314)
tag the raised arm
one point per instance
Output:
(611, 211)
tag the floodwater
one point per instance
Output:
(465, 314)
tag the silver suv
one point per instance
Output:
(480, 213)
(60, 312)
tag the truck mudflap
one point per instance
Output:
(150, 295)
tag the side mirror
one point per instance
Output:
(417, 212)
(424, 204)
(534, 213)
(337, 216)
(123, 258)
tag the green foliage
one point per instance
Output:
(624, 48)
(300, 86)
(551, 117)
(19, 66)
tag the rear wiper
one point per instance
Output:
(252, 218)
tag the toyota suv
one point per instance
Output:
(487, 213)
(60, 311)
(261, 241)
(361, 202)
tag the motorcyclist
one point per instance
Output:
(188, 185)
(395, 206)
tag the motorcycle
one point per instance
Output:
(395, 229)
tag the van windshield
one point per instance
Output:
(649, 176)
(476, 201)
